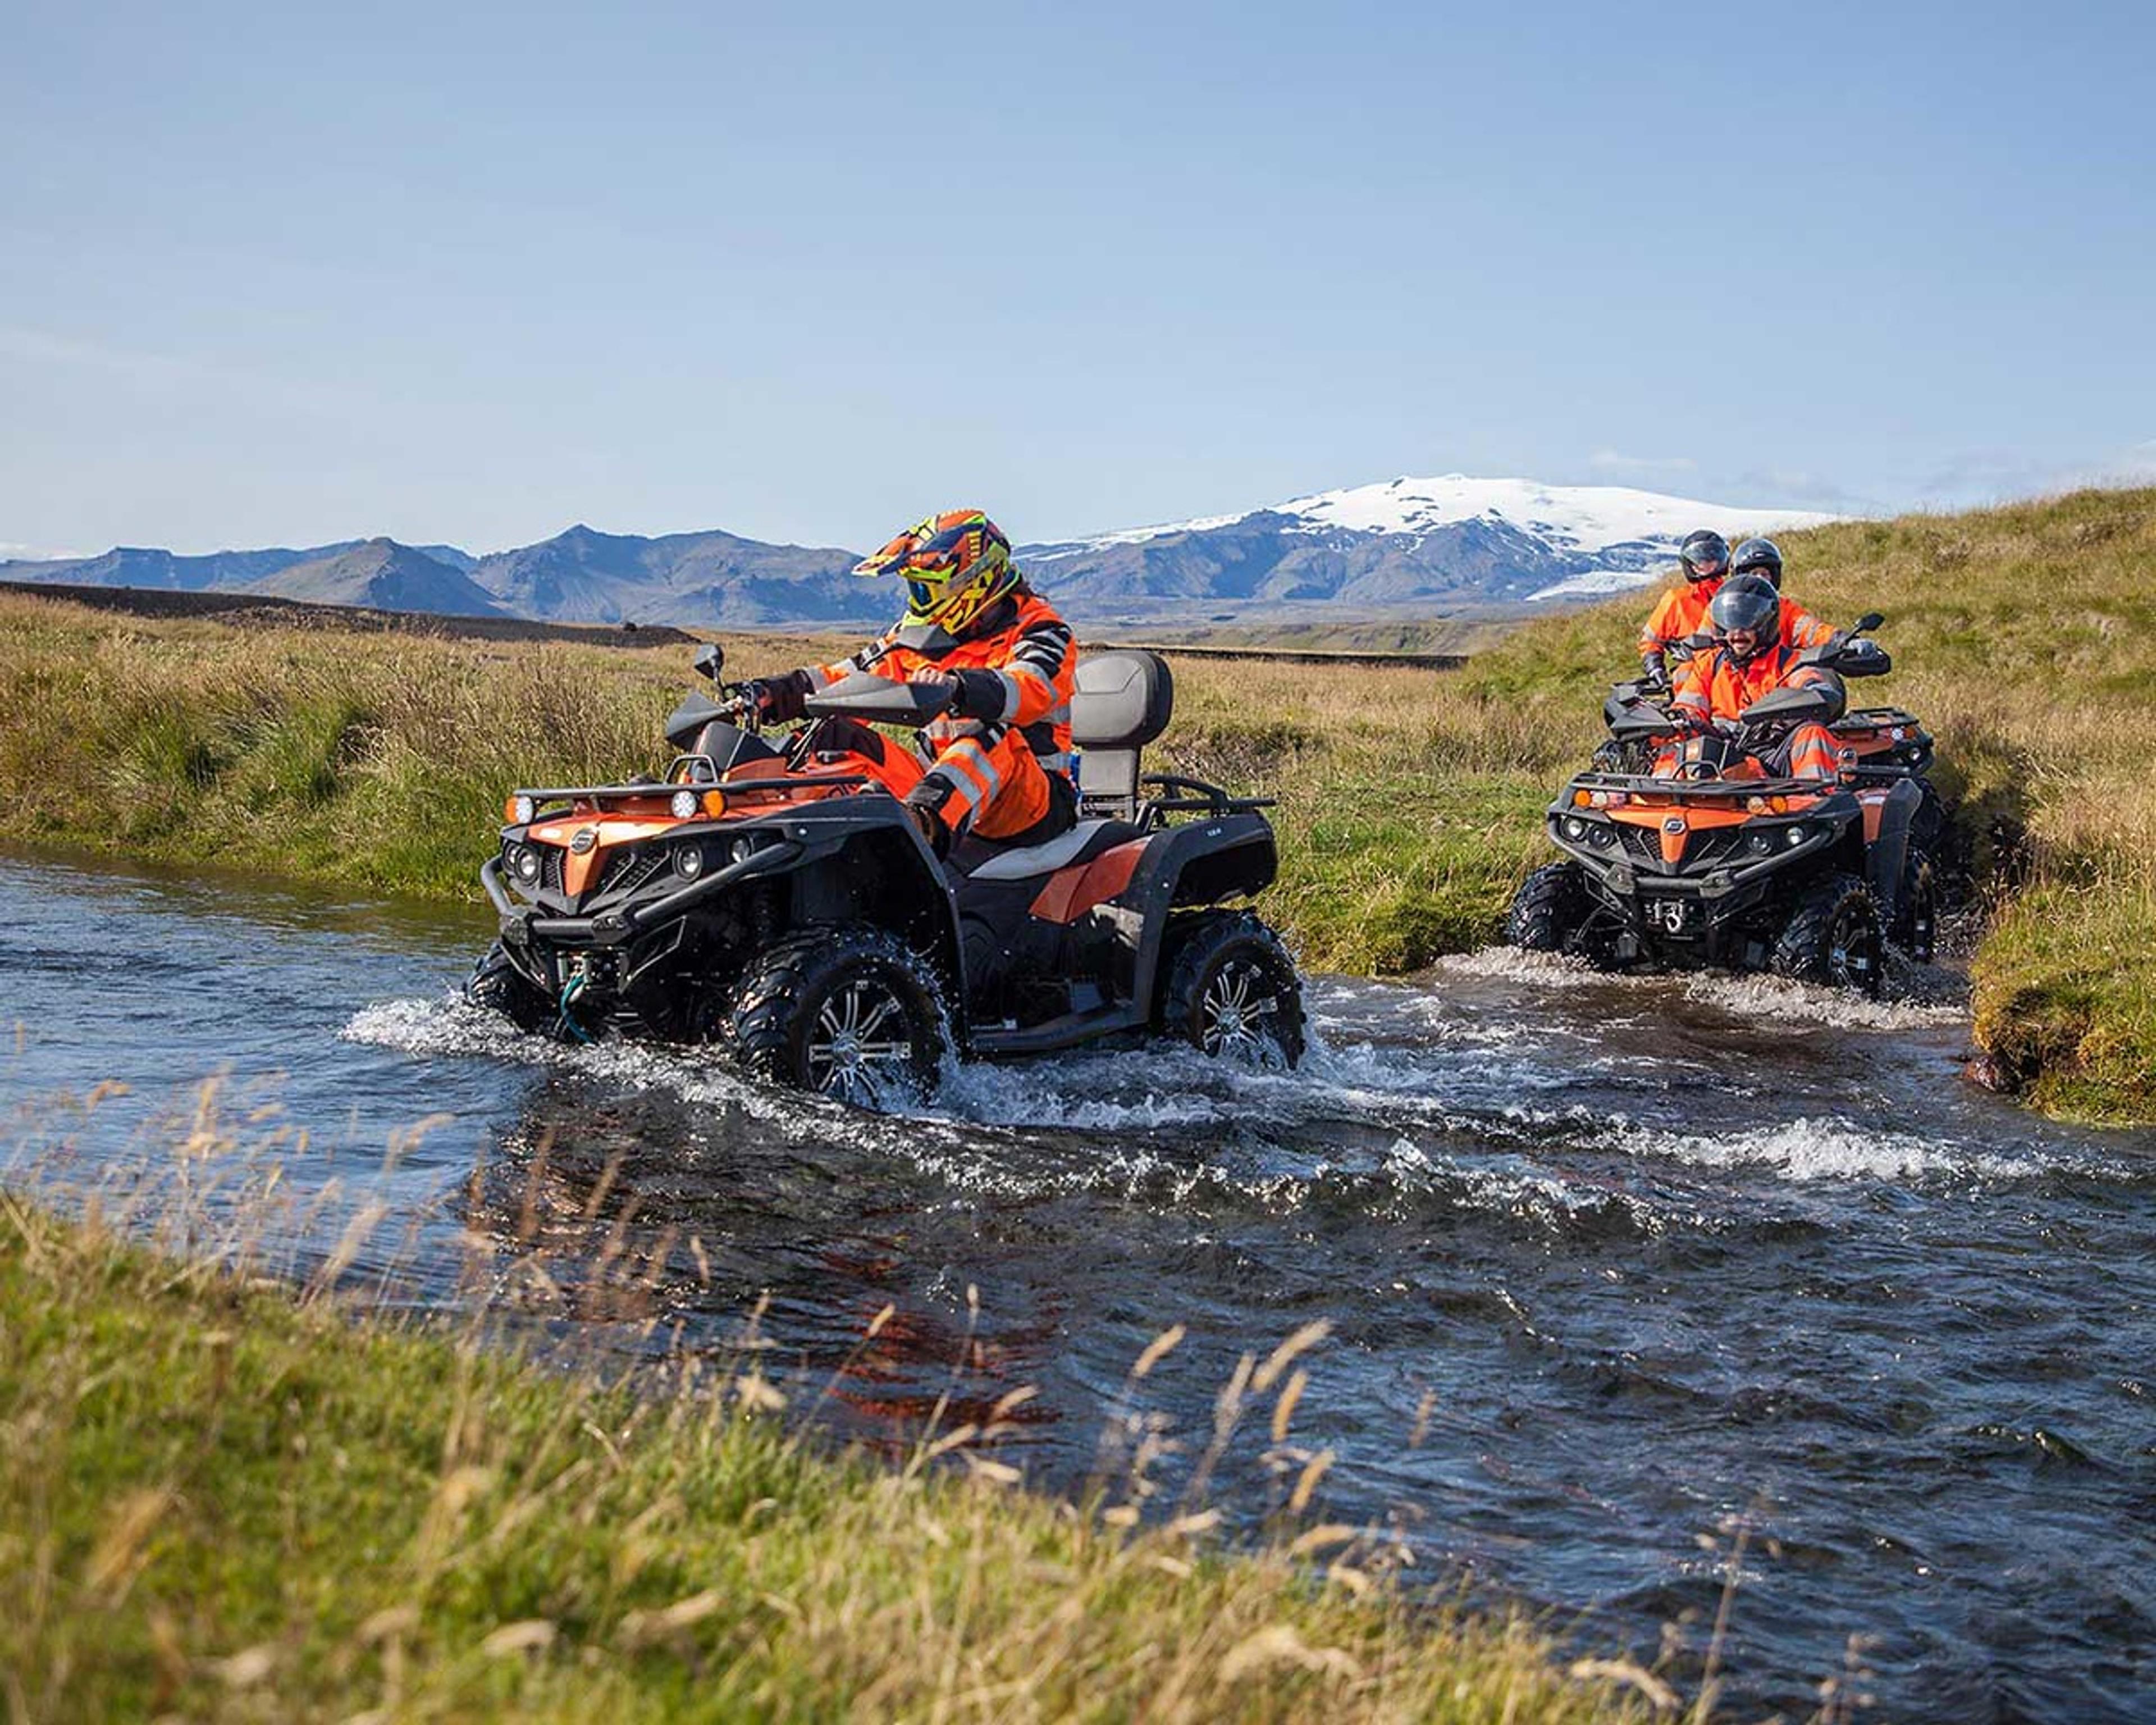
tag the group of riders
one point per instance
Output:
(1003, 663)
(1735, 637)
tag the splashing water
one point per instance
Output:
(1605, 1260)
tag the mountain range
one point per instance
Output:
(1434, 545)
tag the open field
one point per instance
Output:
(222, 1502)
(1410, 799)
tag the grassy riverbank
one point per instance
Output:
(1410, 799)
(222, 1502)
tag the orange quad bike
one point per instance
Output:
(1712, 861)
(777, 900)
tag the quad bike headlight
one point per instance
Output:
(743, 850)
(1604, 835)
(524, 863)
(684, 805)
(1796, 835)
(1760, 843)
(688, 860)
(521, 810)
(1575, 829)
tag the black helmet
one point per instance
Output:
(1704, 555)
(1747, 602)
(1762, 555)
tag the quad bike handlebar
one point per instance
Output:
(879, 701)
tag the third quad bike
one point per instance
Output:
(1713, 861)
(777, 900)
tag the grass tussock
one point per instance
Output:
(221, 1502)
(1409, 800)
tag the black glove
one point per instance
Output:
(980, 695)
(1654, 674)
(779, 700)
(925, 803)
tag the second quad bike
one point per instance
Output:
(777, 900)
(1886, 744)
(1711, 860)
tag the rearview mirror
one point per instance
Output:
(1868, 621)
(711, 659)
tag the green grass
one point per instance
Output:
(1409, 800)
(221, 1502)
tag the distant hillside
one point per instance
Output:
(584, 576)
(214, 572)
(385, 575)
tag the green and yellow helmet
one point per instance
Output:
(955, 565)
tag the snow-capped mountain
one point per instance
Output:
(1451, 540)
(1424, 547)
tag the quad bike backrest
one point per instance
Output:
(1122, 701)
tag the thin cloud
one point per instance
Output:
(1799, 488)
(155, 370)
(2133, 465)
(36, 554)
(1613, 461)
(1982, 476)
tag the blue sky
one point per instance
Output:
(473, 273)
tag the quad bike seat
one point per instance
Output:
(1081, 843)
(1123, 701)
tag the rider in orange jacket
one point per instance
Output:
(1750, 658)
(998, 755)
(1762, 556)
(1682, 613)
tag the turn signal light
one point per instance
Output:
(715, 803)
(518, 811)
(1582, 799)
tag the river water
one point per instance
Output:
(1642, 1295)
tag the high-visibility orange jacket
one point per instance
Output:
(1799, 627)
(1018, 666)
(1713, 686)
(1682, 612)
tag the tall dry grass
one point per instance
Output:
(229, 1496)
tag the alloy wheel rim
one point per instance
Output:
(1233, 1014)
(1853, 949)
(852, 1050)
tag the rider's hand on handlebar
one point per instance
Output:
(777, 699)
(934, 683)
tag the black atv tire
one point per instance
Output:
(1833, 937)
(807, 1008)
(1551, 912)
(1232, 990)
(1916, 909)
(496, 985)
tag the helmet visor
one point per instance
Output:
(928, 600)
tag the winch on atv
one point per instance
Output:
(778, 901)
(1710, 860)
